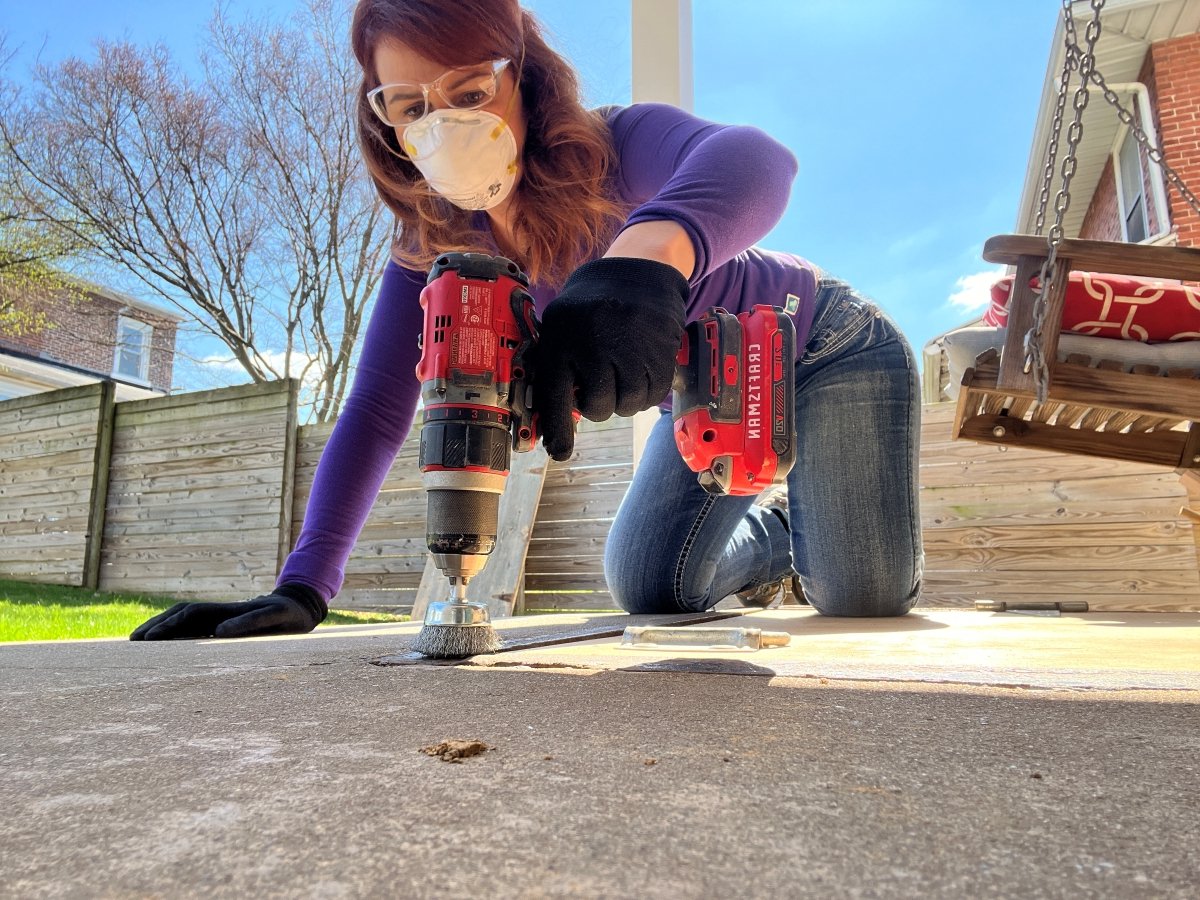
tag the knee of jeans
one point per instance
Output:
(864, 597)
(639, 590)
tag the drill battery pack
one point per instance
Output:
(734, 399)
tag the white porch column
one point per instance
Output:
(662, 52)
(662, 72)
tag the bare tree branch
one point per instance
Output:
(242, 200)
(31, 256)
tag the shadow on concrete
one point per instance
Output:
(715, 666)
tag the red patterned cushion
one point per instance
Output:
(1117, 306)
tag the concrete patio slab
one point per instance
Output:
(291, 767)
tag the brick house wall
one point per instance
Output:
(83, 332)
(1103, 219)
(1177, 81)
(1171, 73)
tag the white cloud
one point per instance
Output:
(215, 370)
(972, 293)
(222, 364)
(212, 370)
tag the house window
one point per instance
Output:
(132, 357)
(1133, 192)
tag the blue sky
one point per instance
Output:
(911, 120)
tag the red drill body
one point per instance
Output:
(479, 326)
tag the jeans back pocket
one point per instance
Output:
(844, 315)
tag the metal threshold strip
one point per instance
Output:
(514, 637)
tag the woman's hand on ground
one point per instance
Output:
(290, 609)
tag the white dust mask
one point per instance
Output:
(467, 155)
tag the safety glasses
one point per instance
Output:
(468, 87)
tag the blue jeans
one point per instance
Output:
(855, 529)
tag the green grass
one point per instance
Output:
(40, 612)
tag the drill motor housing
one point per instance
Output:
(479, 327)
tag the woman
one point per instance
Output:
(630, 222)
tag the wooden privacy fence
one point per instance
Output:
(200, 492)
(202, 495)
(54, 452)
(189, 495)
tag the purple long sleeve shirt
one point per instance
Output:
(726, 185)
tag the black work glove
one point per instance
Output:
(291, 608)
(607, 345)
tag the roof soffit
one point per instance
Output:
(1129, 28)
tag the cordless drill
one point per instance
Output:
(733, 407)
(479, 329)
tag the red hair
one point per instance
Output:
(564, 209)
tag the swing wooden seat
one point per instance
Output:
(1025, 395)
(1092, 407)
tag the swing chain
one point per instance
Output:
(1035, 358)
(1069, 62)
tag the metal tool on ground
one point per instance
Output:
(1032, 606)
(702, 638)
(734, 397)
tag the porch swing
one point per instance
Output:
(1024, 395)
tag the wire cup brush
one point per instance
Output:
(456, 629)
